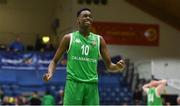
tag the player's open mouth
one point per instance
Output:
(88, 22)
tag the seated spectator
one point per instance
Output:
(48, 99)
(21, 100)
(17, 45)
(35, 99)
(5, 101)
(49, 47)
(38, 44)
(59, 97)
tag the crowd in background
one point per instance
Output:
(18, 46)
(48, 98)
(35, 98)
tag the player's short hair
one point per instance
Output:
(83, 9)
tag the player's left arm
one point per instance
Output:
(161, 86)
(119, 66)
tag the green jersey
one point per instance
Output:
(48, 100)
(153, 99)
(82, 56)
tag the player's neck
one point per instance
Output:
(84, 32)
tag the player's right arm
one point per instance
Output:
(63, 47)
(146, 87)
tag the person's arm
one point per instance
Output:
(63, 47)
(161, 86)
(146, 87)
(119, 66)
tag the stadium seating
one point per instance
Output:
(26, 77)
(7, 76)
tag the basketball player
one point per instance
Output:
(154, 90)
(83, 49)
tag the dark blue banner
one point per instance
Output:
(28, 61)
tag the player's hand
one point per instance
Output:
(121, 64)
(47, 77)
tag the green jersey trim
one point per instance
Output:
(157, 93)
(70, 42)
(99, 44)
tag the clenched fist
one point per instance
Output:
(121, 65)
(47, 77)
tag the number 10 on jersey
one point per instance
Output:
(85, 49)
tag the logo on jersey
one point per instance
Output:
(77, 41)
(93, 43)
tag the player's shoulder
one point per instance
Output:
(68, 35)
(95, 34)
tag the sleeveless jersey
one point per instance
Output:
(153, 99)
(82, 57)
